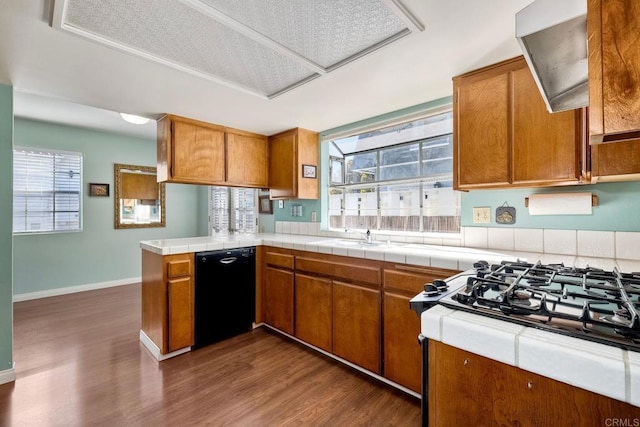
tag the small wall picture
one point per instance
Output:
(99, 190)
(309, 171)
(264, 205)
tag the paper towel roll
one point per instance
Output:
(560, 204)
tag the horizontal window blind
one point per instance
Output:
(46, 191)
(232, 209)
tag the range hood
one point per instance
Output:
(553, 37)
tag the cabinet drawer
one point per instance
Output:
(410, 278)
(357, 273)
(279, 260)
(178, 267)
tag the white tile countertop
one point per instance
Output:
(600, 368)
(451, 257)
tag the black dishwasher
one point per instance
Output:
(224, 294)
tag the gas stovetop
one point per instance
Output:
(587, 303)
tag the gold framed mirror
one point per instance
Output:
(139, 199)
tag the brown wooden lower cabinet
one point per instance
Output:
(278, 295)
(313, 311)
(167, 300)
(356, 325)
(465, 389)
(402, 354)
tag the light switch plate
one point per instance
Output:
(280, 204)
(482, 215)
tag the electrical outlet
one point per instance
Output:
(280, 204)
(482, 215)
(314, 217)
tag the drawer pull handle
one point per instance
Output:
(530, 385)
(466, 362)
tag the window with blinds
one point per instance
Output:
(232, 209)
(47, 191)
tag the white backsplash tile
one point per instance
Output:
(475, 237)
(627, 245)
(286, 227)
(560, 242)
(294, 228)
(600, 244)
(529, 240)
(500, 238)
(278, 226)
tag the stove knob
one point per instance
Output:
(441, 285)
(430, 290)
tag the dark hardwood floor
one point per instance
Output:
(79, 362)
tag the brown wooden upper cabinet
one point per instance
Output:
(504, 137)
(291, 153)
(194, 152)
(614, 70)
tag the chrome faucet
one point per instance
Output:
(368, 237)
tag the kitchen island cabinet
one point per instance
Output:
(167, 300)
(401, 352)
(464, 386)
(504, 137)
(194, 152)
(614, 70)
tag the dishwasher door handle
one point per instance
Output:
(229, 260)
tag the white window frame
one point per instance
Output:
(80, 194)
(420, 181)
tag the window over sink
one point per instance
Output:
(396, 178)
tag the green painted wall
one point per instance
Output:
(99, 253)
(617, 211)
(6, 215)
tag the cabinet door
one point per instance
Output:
(313, 311)
(278, 294)
(616, 161)
(461, 387)
(546, 147)
(481, 131)
(247, 160)
(497, 394)
(283, 165)
(180, 313)
(402, 354)
(356, 325)
(197, 153)
(614, 69)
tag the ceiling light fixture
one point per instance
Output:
(136, 120)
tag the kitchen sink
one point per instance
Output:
(355, 243)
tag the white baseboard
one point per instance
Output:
(7, 376)
(73, 289)
(155, 351)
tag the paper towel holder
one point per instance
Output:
(594, 201)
